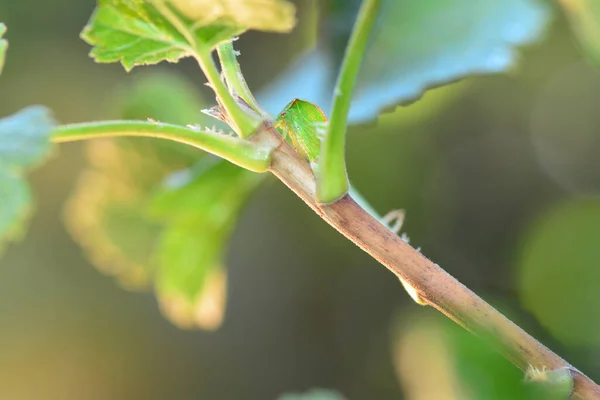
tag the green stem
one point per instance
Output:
(245, 123)
(240, 152)
(332, 178)
(233, 74)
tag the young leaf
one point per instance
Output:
(199, 218)
(136, 32)
(584, 16)
(263, 15)
(3, 46)
(24, 143)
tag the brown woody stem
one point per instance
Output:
(434, 285)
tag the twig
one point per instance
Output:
(434, 285)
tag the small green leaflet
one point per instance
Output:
(3, 46)
(303, 123)
(24, 143)
(144, 32)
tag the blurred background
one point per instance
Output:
(499, 176)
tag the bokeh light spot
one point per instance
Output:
(559, 272)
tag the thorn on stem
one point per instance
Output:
(412, 292)
(405, 238)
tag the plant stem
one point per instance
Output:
(432, 284)
(233, 74)
(243, 153)
(332, 180)
(244, 123)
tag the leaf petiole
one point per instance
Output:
(234, 77)
(245, 154)
(244, 123)
(332, 178)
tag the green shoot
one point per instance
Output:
(242, 153)
(332, 179)
(234, 77)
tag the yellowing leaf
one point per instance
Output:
(264, 15)
(105, 213)
(142, 32)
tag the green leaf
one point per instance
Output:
(138, 32)
(3, 46)
(422, 44)
(584, 16)
(263, 15)
(199, 218)
(416, 45)
(151, 213)
(24, 143)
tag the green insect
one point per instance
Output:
(303, 123)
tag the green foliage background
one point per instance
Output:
(499, 177)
